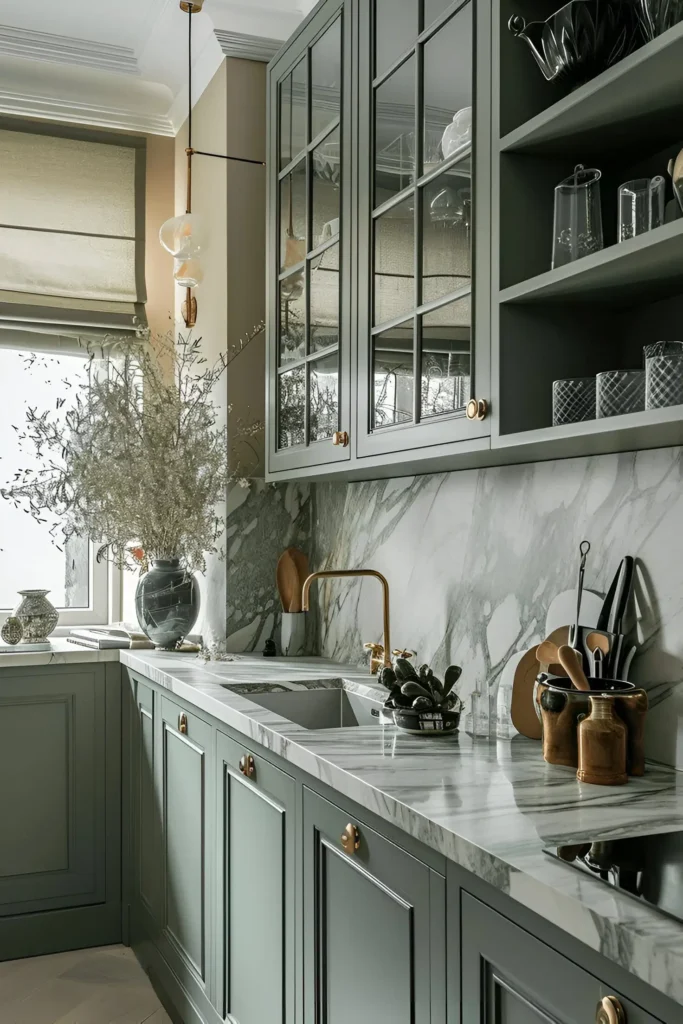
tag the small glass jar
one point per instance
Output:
(663, 381)
(619, 392)
(573, 400)
(577, 222)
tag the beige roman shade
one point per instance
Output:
(71, 232)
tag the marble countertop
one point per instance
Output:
(489, 806)
(62, 653)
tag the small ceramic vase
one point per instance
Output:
(12, 631)
(37, 616)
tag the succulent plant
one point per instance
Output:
(421, 690)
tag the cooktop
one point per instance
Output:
(647, 867)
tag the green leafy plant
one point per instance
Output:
(420, 690)
(136, 458)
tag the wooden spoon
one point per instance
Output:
(547, 653)
(598, 642)
(569, 660)
(303, 572)
(287, 578)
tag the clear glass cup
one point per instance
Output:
(663, 381)
(619, 392)
(641, 206)
(573, 400)
(577, 224)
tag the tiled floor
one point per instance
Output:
(90, 986)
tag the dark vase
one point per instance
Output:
(167, 603)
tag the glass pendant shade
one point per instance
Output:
(183, 236)
(188, 273)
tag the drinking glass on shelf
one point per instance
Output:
(663, 374)
(619, 392)
(577, 222)
(641, 206)
(573, 400)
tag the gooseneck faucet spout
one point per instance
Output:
(376, 661)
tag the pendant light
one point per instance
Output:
(183, 236)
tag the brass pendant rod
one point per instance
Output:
(238, 159)
(188, 203)
(189, 77)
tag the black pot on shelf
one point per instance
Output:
(582, 39)
(167, 603)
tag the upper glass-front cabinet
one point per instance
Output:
(309, 250)
(419, 356)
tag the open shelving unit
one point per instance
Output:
(597, 313)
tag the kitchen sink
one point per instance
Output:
(325, 708)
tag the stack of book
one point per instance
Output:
(104, 638)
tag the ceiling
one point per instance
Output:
(123, 63)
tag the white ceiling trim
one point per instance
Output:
(52, 109)
(247, 47)
(56, 49)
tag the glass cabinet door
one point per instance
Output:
(309, 320)
(419, 356)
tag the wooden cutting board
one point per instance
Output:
(522, 710)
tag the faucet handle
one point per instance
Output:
(399, 653)
(376, 656)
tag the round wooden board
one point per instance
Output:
(522, 711)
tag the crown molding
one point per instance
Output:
(52, 109)
(57, 49)
(247, 47)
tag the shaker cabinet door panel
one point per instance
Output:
(309, 324)
(511, 977)
(52, 801)
(373, 929)
(257, 887)
(185, 780)
(145, 810)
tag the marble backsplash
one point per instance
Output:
(474, 559)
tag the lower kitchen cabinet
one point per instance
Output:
(374, 925)
(257, 887)
(511, 977)
(60, 867)
(185, 779)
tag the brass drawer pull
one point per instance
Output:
(340, 438)
(477, 408)
(182, 723)
(610, 1011)
(247, 766)
(350, 839)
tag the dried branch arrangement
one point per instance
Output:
(136, 458)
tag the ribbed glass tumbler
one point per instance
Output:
(663, 381)
(619, 392)
(573, 400)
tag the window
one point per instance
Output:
(30, 556)
(71, 268)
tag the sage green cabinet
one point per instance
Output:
(60, 738)
(257, 887)
(374, 925)
(145, 829)
(185, 787)
(510, 977)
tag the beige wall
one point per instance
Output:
(160, 205)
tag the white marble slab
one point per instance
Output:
(62, 653)
(489, 806)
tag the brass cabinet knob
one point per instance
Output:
(340, 438)
(610, 1011)
(182, 723)
(477, 408)
(350, 839)
(247, 765)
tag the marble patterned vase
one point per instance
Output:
(167, 603)
(37, 615)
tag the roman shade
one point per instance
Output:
(71, 232)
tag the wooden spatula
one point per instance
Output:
(287, 578)
(302, 571)
(570, 661)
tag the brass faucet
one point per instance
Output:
(380, 653)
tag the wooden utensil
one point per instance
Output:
(547, 653)
(569, 660)
(287, 578)
(302, 570)
(522, 712)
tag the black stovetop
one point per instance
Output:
(647, 867)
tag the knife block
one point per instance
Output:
(562, 710)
